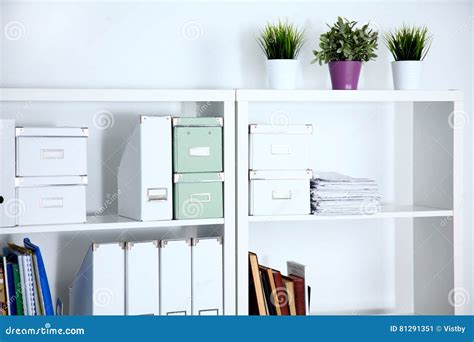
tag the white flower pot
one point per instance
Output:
(281, 73)
(407, 74)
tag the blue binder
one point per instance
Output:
(11, 289)
(48, 302)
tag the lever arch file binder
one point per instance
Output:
(45, 294)
(207, 284)
(25, 264)
(175, 277)
(9, 206)
(142, 278)
(145, 172)
(99, 287)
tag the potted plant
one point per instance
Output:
(344, 47)
(281, 43)
(408, 46)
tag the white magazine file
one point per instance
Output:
(142, 278)
(175, 277)
(99, 287)
(145, 172)
(207, 274)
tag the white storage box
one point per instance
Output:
(58, 151)
(145, 173)
(51, 200)
(280, 192)
(280, 147)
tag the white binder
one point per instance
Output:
(207, 283)
(99, 287)
(145, 172)
(9, 205)
(142, 278)
(175, 277)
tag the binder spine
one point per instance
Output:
(30, 286)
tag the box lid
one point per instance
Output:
(281, 129)
(164, 242)
(144, 118)
(198, 177)
(198, 122)
(52, 132)
(281, 174)
(218, 239)
(50, 181)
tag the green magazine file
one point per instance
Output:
(197, 145)
(198, 195)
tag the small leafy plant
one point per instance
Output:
(408, 43)
(345, 42)
(281, 40)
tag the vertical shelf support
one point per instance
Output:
(229, 210)
(242, 166)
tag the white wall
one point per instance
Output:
(195, 44)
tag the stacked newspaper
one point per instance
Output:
(335, 193)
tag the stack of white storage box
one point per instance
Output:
(280, 170)
(167, 277)
(49, 167)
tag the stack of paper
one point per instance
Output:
(334, 193)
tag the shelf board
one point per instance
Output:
(219, 95)
(311, 95)
(101, 223)
(116, 95)
(388, 211)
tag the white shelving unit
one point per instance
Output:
(421, 174)
(64, 246)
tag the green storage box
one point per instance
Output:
(197, 145)
(198, 195)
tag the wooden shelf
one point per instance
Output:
(310, 95)
(101, 223)
(388, 211)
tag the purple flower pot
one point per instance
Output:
(344, 74)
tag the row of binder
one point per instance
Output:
(167, 277)
(24, 286)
